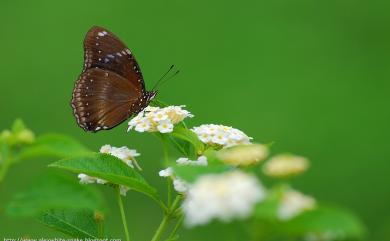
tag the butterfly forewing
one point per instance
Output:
(106, 51)
(102, 99)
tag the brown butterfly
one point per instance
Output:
(110, 88)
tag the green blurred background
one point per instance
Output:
(313, 76)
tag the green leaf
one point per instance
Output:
(184, 147)
(187, 135)
(327, 220)
(191, 173)
(55, 145)
(76, 223)
(109, 168)
(54, 192)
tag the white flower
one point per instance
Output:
(168, 172)
(165, 126)
(294, 203)
(182, 161)
(101, 181)
(125, 154)
(159, 116)
(220, 138)
(85, 179)
(143, 126)
(153, 119)
(202, 161)
(243, 155)
(222, 196)
(151, 109)
(123, 190)
(285, 165)
(220, 135)
(180, 185)
(105, 149)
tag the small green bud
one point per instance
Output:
(5, 135)
(25, 136)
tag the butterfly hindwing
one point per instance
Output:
(104, 50)
(102, 99)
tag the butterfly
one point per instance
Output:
(111, 87)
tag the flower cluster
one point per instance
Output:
(285, 165)
(156, 119)
(294, 203)
(179, 184)
(221, 196)
(220, 135)
(125, 154)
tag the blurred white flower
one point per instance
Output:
(243, 155)
(180, 185)
(294, 203)
(202, 161)
(168, 172)
(224, 136)
(222, 196)
(125, 154)
(153, 119)
(285, 165)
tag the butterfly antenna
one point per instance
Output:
(162, 77)
(170, 77)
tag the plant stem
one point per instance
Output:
(160, 230)
(177, 226)
(120, 203)
(167, 217)
(169, 190)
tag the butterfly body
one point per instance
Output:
(110, 88)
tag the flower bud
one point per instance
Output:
(25, 136)
(98, 216)
(285, 165)
(243, 155)
(5, 135)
